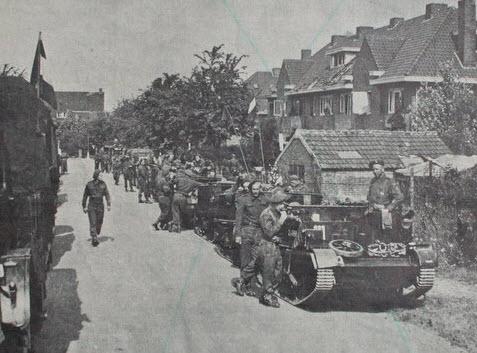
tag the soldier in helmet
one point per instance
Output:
(267, 259)
(142, 181)
(94, 192)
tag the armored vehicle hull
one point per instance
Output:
(332, 251)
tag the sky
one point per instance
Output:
(121, 46)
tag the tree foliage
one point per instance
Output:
(204, 109)
(72, 134)
(450, 108)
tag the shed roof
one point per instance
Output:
(363, 146)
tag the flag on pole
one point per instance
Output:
(35, 70)
(252, 105)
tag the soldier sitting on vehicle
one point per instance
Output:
(384, 196)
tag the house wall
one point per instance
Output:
(345, 185)
(297, 154)
(380, 96)
(307, 106)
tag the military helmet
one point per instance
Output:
(279, 197)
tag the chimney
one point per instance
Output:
(335, 38)
(393, 22)
(276, 72)
(305, 54)
(362, 30)
(466, 40)
(100, 90)
(434, 9)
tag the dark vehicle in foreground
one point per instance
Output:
(330, 251)
(29, 181)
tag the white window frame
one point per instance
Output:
(326, 102)
(277, 107)
(392, 99)
(346, 101)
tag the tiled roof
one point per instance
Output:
(320, 74)
(367, 145)
(80, 101)
(417, 47)
(261, 84)
(296, 68)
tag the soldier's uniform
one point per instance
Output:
(266, 259)
(249, 209)
(141, 182)
(184, 184)
(163, 195)
(383, 193)
(95, 190)
(128, 173)
(116, 169)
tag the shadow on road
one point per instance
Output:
(63, 242)
(62, 198)
(65, 319)
(104, 238)
(362, 304)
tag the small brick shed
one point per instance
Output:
(336, 162)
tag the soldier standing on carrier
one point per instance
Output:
(384, 196)
(247, 230)
(95, 190)
(267, 259)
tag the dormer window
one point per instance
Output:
(338, 59)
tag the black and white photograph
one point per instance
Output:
(238, 176)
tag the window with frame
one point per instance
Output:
(394, 100)
(338, 59)
(277, 107)
(326, 105)
(346, 101)
(297, 169)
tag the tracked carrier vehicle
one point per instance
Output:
(331, 251)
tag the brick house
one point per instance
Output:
(85, 105)
(336, 163)
(396, 60)
(262, 85)
(323, 96)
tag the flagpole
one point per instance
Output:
(37, 85)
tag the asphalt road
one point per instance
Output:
(147, 291)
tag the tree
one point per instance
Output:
(450, 108)
(72, 134)
(204, 109)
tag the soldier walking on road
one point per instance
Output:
(142, 181)
(128, 171)
(95, 190)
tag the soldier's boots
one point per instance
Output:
(95, 241)
(269, 299)
(249, 291)
(155, 226)
(239, 286)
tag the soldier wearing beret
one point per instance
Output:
(384, 196)
(95, 190)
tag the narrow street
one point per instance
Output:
(147, 291)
